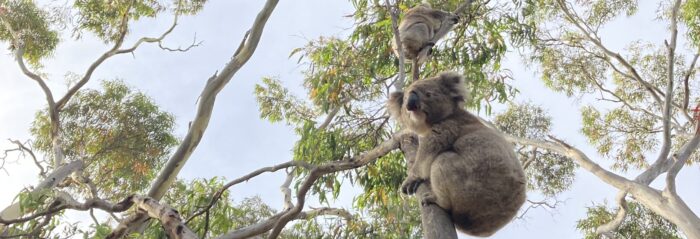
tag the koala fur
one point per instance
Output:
(419, 30)
(472, 170)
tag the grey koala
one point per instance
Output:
(419, 30)
(471, 169)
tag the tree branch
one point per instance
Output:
(686, 87)
(539, 204)
(123, 29)
(579, 157)
(247, 177)
(401, 78)
(332, 167)
(169, 218)
(268, 224)
(572, 17)
(666, 145)
(204, 110)
(23, 149)
(678, 162)
(65, 201)
(159, 40)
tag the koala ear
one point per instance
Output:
(394, 104)
(455, 83)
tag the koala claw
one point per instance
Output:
(410, 186)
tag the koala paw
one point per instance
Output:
(410, 185)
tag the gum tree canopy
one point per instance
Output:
(112, 149)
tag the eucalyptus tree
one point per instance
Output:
(345, 138)
(646, 117)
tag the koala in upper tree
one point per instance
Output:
(471, 169)
(419, 30)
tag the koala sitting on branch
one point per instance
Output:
(471, 169)
(420, 29)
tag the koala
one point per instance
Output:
(472, 171)
(419, 30)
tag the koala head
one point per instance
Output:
(426, 102)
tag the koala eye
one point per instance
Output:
(428, 94)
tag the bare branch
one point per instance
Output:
(65, 201)
(204, 110)
(206, 103)
(24, 148)
(245, 178)
(194, 43)
(539, 204)
(123, 29)
(159, 40)
(579, 157)
(335, 166)
(686, 87)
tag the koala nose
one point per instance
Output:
(412, 103)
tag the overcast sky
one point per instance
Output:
(237, 141)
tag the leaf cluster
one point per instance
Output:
(121, 134)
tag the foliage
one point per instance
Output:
(119, 133)
(640, 223)
(31, 25)
(37, 28)
(690, 15)
(547, 172)
(225, 215)
(277, 104)
(625, 124)
(124, 137)
(106, 18)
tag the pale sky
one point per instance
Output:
(237, 141)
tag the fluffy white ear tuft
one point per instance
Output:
(455, 82)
